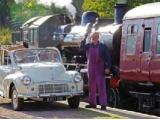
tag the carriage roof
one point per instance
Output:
(149, 10)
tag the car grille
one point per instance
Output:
(53, 88)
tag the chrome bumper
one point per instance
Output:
(48, 95)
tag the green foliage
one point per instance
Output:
(78, 4)
(24, 11)
(5, 36)
(4, 13)
(105, 8)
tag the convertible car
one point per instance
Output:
(37, 74)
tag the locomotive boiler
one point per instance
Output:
(110, 34)
(70, 45)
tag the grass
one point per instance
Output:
(98, 115)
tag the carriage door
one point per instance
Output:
(155, 63)
(146, 51)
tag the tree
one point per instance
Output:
(21, 12)
(105, 8)
(4, 13)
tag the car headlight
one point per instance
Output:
(77, 78)
(26, 80)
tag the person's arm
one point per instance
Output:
(83, 44)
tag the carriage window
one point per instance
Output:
(25, 35)
(132, 31)
(147, 39)
(33, 36)
(158, 40)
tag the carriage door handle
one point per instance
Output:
(150, 55)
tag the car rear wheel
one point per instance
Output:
(17, 103)
(74, 102)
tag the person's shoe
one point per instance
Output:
(103, 107)
(90, 106)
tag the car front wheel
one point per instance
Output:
(74, 102)
(17, 103)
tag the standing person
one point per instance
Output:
(98, 63)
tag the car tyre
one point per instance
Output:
(73, 102)
(17, 103)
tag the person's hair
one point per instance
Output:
(94, 33)
(25, 44)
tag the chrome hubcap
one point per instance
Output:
(14, 99)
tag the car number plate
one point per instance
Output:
(55, 98)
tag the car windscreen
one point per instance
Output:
(36, 55)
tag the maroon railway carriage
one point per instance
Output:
(135, 50)
(140, 55)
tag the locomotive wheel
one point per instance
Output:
(113, 100)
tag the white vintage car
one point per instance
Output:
(37, 74)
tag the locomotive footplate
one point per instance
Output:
(137, 94)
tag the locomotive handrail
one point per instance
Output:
(11, 47)
(73, 64)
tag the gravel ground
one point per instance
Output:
(60, 110)
(34, 110)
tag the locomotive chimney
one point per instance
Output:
(89, 17)
(120, 10)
